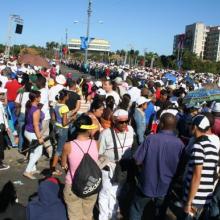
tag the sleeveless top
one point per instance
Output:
(29, 119)
(76, 155)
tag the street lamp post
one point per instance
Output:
(88, 29)
(13, 18)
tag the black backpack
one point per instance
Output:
(88, 177)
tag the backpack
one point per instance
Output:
(88, 177)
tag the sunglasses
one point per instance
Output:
(123, 122)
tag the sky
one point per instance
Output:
(126, 24)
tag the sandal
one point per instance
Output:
(29, 176)
(57, 173)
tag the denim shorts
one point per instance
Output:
(62, 135)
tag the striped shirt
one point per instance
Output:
(204, 153)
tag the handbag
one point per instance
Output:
(120, 172)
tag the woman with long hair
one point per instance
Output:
(95, 113)
(106, 120)
(61, 126)
(79, 208)
(34, 117)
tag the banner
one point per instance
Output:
(84, 43)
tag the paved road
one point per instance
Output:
(76, 74)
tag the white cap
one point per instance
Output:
(121, 114)
(98, 84)
(216, 107)
(201, 121)
(118, 80)
(61, 79)
(141, 100)
(101, 92)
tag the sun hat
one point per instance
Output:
(216, 107)
(89, 127)
(201, 121)
(141, 100)
(61, 79)
(120, 114)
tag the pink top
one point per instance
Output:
(76, 155)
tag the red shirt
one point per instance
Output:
(12, 87)
(216, 127)
(157, 94)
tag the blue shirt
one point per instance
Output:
(159, 156)
(149, 111)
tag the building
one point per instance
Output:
(94, 45)
(212, 46)
(195, 38)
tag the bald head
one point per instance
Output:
(167, 122)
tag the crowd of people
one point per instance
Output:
(132, 122)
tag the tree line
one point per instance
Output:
(132, 57)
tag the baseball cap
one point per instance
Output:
(201, 121)
(101, 92)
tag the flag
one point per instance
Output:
(181, 40)
(84, 43)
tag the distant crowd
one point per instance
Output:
(124, 138)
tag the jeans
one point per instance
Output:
(61, 139)
(139, 203)
(196, 215)
(2, 147)
(11, 106)
(35, 153)
(21, 123)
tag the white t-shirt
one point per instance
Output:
(215, 140)
(124, 141)
(45, 101)
(3, 119)
(53, 92)
(4, 80)
(115, 96)
(22, 99)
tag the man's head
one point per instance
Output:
(200, 125)
(168, 122)
(72, 84)
(107, 85)
(41, 81)
(163, 95)
(120, 119)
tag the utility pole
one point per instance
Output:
(88, 29)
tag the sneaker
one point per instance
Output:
(29, 175)
(4, 166)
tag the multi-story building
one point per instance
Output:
(212, 46)
(195, 37)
